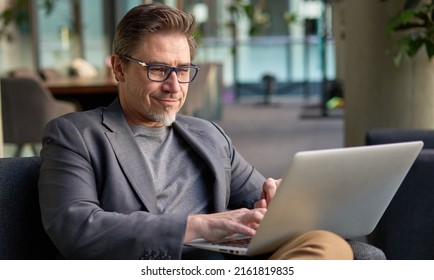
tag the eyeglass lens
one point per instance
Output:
(160, 73)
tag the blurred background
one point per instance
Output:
(289, 41)
(279, 76)
(328, 65)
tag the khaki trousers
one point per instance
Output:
(315, 245)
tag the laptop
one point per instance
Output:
(344, 190)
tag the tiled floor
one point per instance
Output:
(268, 136)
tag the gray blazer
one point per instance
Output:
(97, 199)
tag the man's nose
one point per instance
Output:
(172, 84)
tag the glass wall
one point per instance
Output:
(59, 32)
(95, 44)
(74, 29)
(292, 53)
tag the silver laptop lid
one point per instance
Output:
(345, 191)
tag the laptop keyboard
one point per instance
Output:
(240, 242)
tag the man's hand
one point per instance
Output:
(219, 225)
(268, 191)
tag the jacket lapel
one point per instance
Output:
(197, 139)
(130, 156)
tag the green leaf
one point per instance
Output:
(429, 49)
(411, 3)
(250, 11)
(48, 6)
(414, 46)
(398, 57)
(417, 17)
(405, 20)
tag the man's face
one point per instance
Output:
(146, 102)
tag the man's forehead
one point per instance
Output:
(164, 46)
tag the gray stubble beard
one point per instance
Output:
(166, 119)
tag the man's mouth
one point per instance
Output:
(168, 101)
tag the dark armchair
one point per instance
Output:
(22, 236)
(406, 230)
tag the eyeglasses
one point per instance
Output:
(161, 72)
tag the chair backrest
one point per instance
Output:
(49, 74)
(406, 230)
(22, 236)
(22, 109)
(27, 106)
(394, 135)
(24, 72)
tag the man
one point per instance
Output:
(136, 180)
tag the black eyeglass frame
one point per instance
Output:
(172, 69)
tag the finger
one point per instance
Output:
(254, 217)
(274, 190)
(223, 224)
(258, 215)
(269, 189)
(262, 203)
(235, 227)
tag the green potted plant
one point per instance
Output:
(416, 21)
(17, 14)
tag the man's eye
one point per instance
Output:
(161, 69)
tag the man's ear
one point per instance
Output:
(118, 68)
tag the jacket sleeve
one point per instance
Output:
(245, 180)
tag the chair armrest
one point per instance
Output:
(393, 135)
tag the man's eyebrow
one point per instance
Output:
(163, 63)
